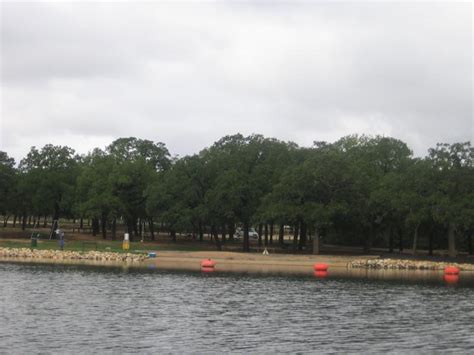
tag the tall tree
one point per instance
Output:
(454, 168)
(50, 176)
(8, 184)
(137, 163)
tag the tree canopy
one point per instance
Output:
(360, 190)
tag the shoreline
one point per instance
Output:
(229, 261)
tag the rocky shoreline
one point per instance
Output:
(26, 253)
(399, 264)
(191, 260)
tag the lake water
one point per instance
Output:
(70, 309)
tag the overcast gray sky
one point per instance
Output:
(188, 73)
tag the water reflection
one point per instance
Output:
(464, 279)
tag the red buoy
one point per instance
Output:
(451, 270)
(321, 274)
(320, 267)
(451, 278)
(208, 263)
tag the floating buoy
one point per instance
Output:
(451, 270)
(320, 267)
(208, 263)
(321, 274)
(451, 278)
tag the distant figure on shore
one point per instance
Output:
(60, 237)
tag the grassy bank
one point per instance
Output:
(97, 245)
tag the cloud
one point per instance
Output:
(188, 73)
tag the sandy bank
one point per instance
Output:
(180, 260)
(351, 266)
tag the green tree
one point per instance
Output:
(96, 190)
(49, 180)
(453, 165)
(244, 170)
(137, 164)
(314, 193)
(373, 158)
(8, 182)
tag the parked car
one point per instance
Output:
(239, 233)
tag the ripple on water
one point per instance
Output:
(74, 309)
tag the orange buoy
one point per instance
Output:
(451, 278)
(208, 263)
(320, 267)
(321, 274)
(451, 270)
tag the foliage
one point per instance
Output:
(354, 190)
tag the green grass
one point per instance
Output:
(99, 245)
(73, 245)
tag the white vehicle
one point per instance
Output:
(239, 233)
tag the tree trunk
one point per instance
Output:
(271, 233)
(135, 227)
(295, 237)
(316, 250)
(14, 220)
(23, 223)
(223, 234)
(173, 235)
(95, 226)
(452, 240)
(81, 224)
(281, 234)
(231, 231)
(216, 237)
(152, 228)
(415, 238)
(5, 221)
(260, 234)
(400, 240)
(140, 228)
(114, 228)
(246, 237)
(200, 232)
(266, 235)
(303, 232)
(104, 226)
(29, 221)
(469, 242)
(430, 243)
(390, 239)
(55, 224)
(156, 231)
(369, 240)
(45, 221)
(129, 229)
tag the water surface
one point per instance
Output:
(58, 309)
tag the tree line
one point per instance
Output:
(358, 191)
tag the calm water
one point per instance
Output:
(58, 309)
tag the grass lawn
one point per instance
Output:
(101, 245)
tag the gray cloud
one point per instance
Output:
(188, 73)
